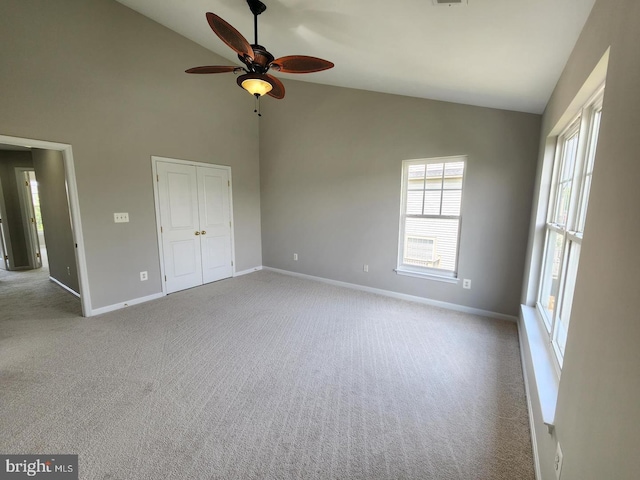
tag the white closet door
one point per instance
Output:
(178, 196)
(215, 223)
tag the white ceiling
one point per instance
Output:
(496, 53)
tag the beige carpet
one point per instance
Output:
(261, 377)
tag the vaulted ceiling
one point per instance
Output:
(495, 53)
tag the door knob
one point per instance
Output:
(203, 232)
(197, 233)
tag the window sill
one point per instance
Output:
(546, 377)
(427, 276)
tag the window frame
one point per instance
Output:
(450, 276)
(583, 125)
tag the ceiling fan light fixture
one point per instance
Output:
(255, 84)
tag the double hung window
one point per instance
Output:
(564, 227)
(431, 216)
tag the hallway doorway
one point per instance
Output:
(71, 272)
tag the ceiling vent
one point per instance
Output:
(449, 3)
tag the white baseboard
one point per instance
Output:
(70, 290)
(532, 426)
(248, 271)
(118, 306)
(401, 296)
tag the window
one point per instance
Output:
(430, 216)
(564, 227)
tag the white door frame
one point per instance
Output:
(74, 208)
(156, 200)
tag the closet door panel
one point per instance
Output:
(181, 239)
(215, 223)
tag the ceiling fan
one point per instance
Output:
(256, 59)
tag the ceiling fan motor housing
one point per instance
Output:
(261, 60)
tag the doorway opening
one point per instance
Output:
(70, 192)
(37, 219)
(33, 226)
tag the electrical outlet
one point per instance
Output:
(295, 257)
(121, 217)
(557, 461)
(366, 268)
(144, 276)
(69, 271)
(466, 283)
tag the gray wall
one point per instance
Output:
(54, 207)
(110, 82)
(598, 409)
(331, 161)
(17, 248)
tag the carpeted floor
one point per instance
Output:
(263, 376)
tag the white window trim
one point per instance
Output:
(538, 357)
(427, 272)
(428, 276)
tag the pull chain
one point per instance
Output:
(257, 105)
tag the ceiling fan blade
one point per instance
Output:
(278, 88)
(213, 69)
(300, 64)
(230, 36)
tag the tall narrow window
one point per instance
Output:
(568, 201)
(431, 216)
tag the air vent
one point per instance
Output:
(449, 3)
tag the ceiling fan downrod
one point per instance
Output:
(256, 7)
